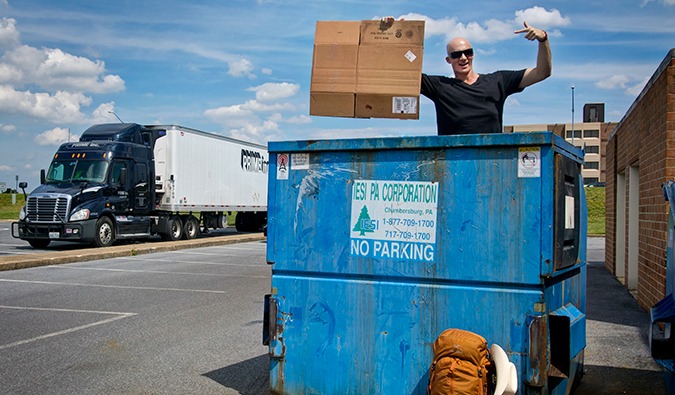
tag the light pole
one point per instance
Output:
(113, 113)
(572, 114)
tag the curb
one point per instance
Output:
(59, 257)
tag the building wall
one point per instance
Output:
(644, 140)
(584, 136)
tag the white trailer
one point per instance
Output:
(210, 174)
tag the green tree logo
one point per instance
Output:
(362, 224)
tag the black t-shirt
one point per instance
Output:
(466, 109)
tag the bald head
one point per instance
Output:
(457, 44)
(460, 57)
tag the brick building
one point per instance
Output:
(640, 157)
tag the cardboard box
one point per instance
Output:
(377, 72)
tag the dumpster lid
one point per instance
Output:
(429, 142)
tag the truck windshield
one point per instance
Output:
(77, 170)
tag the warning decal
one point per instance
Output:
(394, 219)
(282, 167)
(529, 162)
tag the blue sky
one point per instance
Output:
(242, 68)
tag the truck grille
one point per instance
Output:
(48, 208)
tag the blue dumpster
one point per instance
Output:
(378, 245)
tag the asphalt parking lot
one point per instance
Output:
(185, 321)
(178, 316)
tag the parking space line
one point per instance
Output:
(120, 286)
(119, 316)
(157, 271)
(146, 259)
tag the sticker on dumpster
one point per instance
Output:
(300, 161)
(394, 219)
(282, 167)
(569, 212)
(529, 162)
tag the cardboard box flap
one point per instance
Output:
(389, 69)
(337, 32)
(331, 104)
(400, 32)
(334, 68)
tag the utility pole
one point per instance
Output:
(572, 114)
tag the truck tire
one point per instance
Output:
(105, 232)
(39, 243)
(190, 227)
(175, 229)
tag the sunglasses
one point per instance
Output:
(458, 54)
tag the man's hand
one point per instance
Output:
(532, 33)
(387, 22)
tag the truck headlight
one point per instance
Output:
(80, 215)
(22, 213)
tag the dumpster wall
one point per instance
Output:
(379, 245)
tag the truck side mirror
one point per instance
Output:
(23, 185)
(43, 176)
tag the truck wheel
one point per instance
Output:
(39, 243)
(175, 228)
(105, 232)
(190, 228)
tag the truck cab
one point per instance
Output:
(95, 190)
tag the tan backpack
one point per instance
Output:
(461, 364)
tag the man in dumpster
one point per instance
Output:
(474, 103)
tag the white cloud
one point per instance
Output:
(251, 120)
(617, 81)
(54, 69)
(246, 109)
(541, 18)
(7, 128)
(55, 136)
(9, 36)
(6, 168)
(266, 71)
(270, 91)
(299, 120)
(665, 2)
(60, 107)
(637, 88)
(241, 68)
(623, 82)
(491, 30)
(104, 113)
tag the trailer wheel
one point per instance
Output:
(105, 232)
(175, 228)
(39, 243)
(190, 228)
